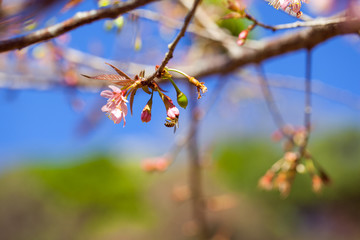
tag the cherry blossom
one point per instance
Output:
(116, 107)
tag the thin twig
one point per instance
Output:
(255, 21)
(213, 30)
(308, 107)
(269, 99)
(173, 45)
(313, 23)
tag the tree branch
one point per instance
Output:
(79, 19)
(307, 38)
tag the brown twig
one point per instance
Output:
(79, 19)
(256, 22)
(269, 99)
(173, 45)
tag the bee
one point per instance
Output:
(172, 123)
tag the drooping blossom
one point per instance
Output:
(115, 107)
(146, 114)
(171, 110)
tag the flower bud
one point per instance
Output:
(173, 112)
(243, 34)
(242, 37)
(182, 100)
(146, 112)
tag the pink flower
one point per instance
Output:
(293, 5)
(284, 4)
(116, 107)
(171, 111)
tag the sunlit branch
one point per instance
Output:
(312, 23)
(79, 19)
(287, 43)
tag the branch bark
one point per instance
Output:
(294, 41)
(79, 19)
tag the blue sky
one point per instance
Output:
(39, 124)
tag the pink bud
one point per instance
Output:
(146, 114)
(242, 37)
(173, 112)
(243, 34)
(240, 42)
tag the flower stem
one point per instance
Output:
(175, 86)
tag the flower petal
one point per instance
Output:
(107, 94)
(115, 89)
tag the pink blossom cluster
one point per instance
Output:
(115, 107)
(291, 5)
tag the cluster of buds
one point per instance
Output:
(281, 175)
(124, 89)
(291, 6)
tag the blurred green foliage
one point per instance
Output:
(80, 199)
(96, 183)
(234, 26)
